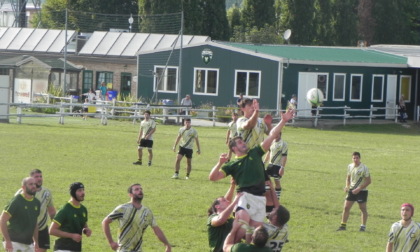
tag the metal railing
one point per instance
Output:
(167, 113)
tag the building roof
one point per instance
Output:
(34, 40)
(356, 56)
(49, 63)
(130, 44)
(411, 52)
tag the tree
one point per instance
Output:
(300, 19)
(258, 13)
(86, 15)
(396, 22)
(345, 23)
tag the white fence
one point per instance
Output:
(169, 114)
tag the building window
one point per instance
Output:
(87, 81)
(378, 88)
(107, 77)
(405, 87)
(339, 87)
(166, 79)
(4, 71)
(322, 84)
(356, 87)
(248, 83)
(206, 81)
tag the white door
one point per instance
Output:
(306, 81)
(391, 94)
(4, 97)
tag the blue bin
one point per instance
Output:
(167, 102)
(112, 95)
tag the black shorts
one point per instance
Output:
(185, 152)
(273, 170)
(144, 143)
(85, 110)
(44, 239)
(361, 197)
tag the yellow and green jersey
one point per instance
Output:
(254, 136)
(45, 197)
(405, 239)
(23, 218)
(132, 223)
(277, 151)
(277, 237)
(358, 175)
(187, 137)
(147, 127)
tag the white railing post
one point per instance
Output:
(371, 114)
(61, 120)
(214, 116)
(19, 115)
(396, 113)
(104, 119)
(345, 114)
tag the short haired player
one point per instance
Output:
(145, 138)
(357, 181)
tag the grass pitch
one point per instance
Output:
(101, 157)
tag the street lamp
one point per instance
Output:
(130, 21)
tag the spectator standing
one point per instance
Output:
(403, 109)
(186, 101)
(103, 90)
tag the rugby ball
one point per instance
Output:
(314, 96)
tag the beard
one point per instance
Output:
(30, 192)
(138, 198)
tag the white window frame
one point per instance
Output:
(344, 87)
(165, 79)
(351, 87)
(408, 98)
(206, 81)
(373, 87)
(246, 93)
(326, 84)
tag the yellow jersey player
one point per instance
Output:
(145, 138)
(186, 137)
(250, 127)
(358, 178)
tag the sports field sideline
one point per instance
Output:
(101, 157)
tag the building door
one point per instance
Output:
(391, 96)
(125, 84)
(4, 94)
(306, 82)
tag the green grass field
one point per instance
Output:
(101, 157)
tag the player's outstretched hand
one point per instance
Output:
(289, 114)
